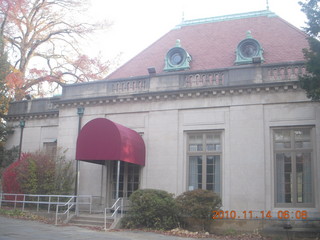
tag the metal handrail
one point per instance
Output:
(28, 198)
(73, 201)
(56, 200)
(115, 213)
(70, 204)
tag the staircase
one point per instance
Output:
(95, 220)
(108, 219)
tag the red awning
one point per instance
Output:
(102, 140)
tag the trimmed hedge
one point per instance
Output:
(157, 209)
(151, 208)
(195, 208)
(198, 204)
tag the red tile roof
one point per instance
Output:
(212, 43)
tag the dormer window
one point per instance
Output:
(177, 58)
(249, 51)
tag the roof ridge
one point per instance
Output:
(226, 18)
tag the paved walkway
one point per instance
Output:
(14, 229)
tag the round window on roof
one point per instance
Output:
(249, 48)
(176, 56)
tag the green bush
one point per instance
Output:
(151, 208)
(197, 205)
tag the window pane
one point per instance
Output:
(213, 173)
(209, 142)
(213, 142)
(302, 134)
(195, 147)
(195, 172)
(133, 178)
(210, 147)
(282, 135)
(282, 145)
(302, 139)
(195, 143)
(303, 177)
(282, 139)
(284, 178)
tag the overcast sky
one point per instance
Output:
(138, 23)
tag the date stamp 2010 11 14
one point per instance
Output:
(294, 215)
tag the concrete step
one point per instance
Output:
(90, 220)
(108, 225)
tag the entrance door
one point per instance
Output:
(129, 179)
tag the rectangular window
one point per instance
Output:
(204, 159)
(50, 148)
(293, 153)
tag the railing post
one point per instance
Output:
(15, 201)
(38, 202)
(121, 208)
(49, 204)
(77, 205)
(0, 199)
(57, 210)
(68, 210)
(24, 199)
(105, 219)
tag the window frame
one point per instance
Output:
(204, 153)
(50, 148)
(293, 153)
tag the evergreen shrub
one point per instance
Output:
(151, 208)
(197, 205)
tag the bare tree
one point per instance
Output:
(42, 41)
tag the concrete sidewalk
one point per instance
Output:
(14, 229)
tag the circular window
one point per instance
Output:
(249, 48)
(176, 56)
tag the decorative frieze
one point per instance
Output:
(284, 73)
(130, 86)
(203, 80)
(243, 76)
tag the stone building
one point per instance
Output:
(213, 104)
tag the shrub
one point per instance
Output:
(151, 208)
(10, 182)
(37, 173)
(64, 175)
(197, 204)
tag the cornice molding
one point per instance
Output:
(29, 116)
(212, 92)
(182, 94)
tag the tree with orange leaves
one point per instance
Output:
(42, 41)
